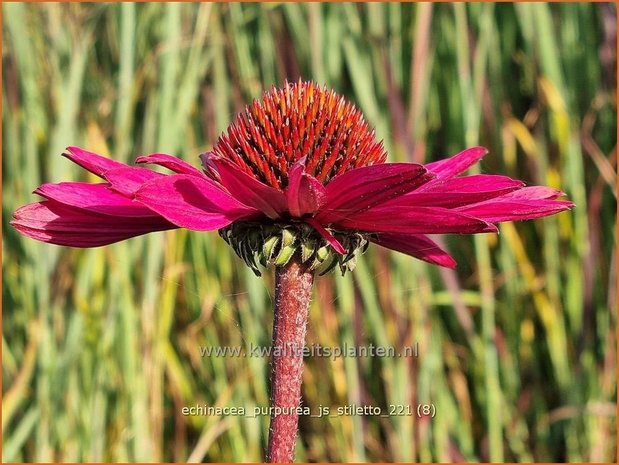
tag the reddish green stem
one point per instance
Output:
(293, 290)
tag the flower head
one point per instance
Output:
(299, 171)
(300, 121)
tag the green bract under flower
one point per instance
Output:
(276, 243)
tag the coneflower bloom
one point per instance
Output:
(298, 170)
(300, 181)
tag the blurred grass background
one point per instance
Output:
(100, 348)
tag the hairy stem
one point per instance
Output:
(293, 290)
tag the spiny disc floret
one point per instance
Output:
(300, 120)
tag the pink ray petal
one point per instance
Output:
(49, 221)
(500, 209)
(473, 183)
(418, 246)
(92, 162)
(97, 198)
(70, 239)
(170, 162)
(128, 179)
(339, 248)
(459, 163)
(250, 191)
(535, 193)
(366, 187)
(305, 194)
(455, 192)
(193, 203)
(416, 220)
(526, 203)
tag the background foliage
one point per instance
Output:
(100, 348)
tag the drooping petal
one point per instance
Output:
(304, 193)
(97, 198)
(455, 192)
(339, 248)
(535, 193)
(418, 246)
(49, 221)
(459, 163)
(250, 191)
(369, 186)
(523, 204)
(416, 220)
(128, 179)
(170, 162)
(192, 202)
(92, 162)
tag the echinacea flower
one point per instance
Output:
(298, 170)
(298, 181)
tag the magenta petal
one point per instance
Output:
(535, 193)
(267, 199)
(193, 203)
(416, 220)
(366, 187)
(170, 162)
(522, 204)
(91, 161)
(97, 198)
(418, 246)
(305, 194)
(128, 179)
(339, 248)
(500, 209)
(457, 164)
(472, 184)
(455, 192)
(49, 221)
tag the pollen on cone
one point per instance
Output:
(300, 120)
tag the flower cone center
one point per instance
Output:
(299, 120)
